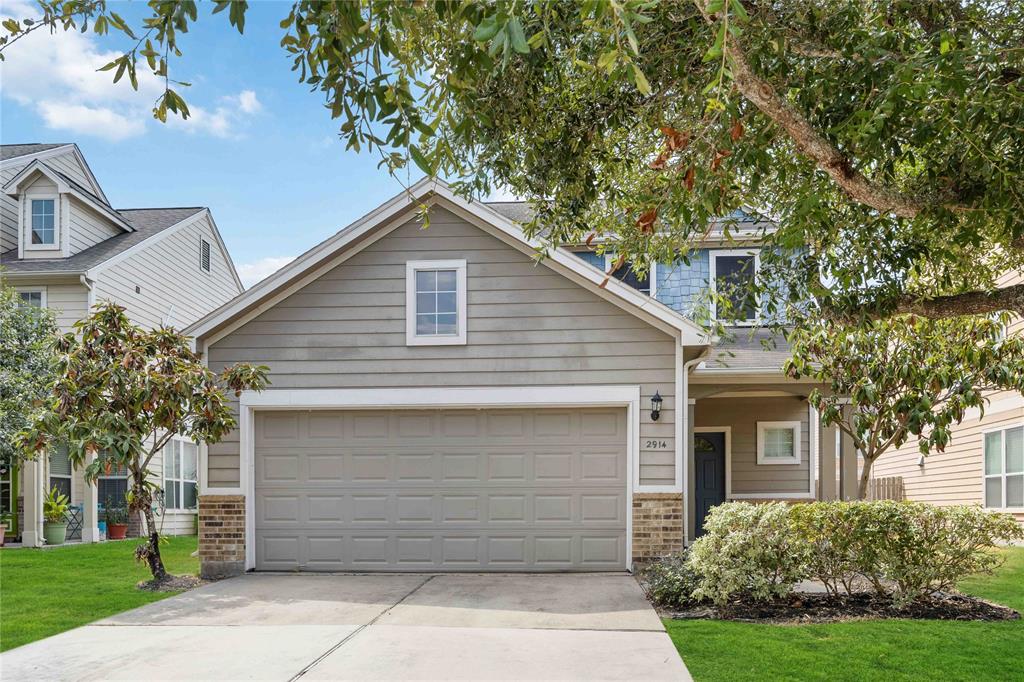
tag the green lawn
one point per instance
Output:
(865, 650)
(43, 592)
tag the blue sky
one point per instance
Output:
(261, 150)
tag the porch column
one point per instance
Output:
(847, 461)
(90, 529)
(32, 492)
(827, 489)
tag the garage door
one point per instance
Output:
(453, 490)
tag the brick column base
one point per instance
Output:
(221, 535)
(657, 525)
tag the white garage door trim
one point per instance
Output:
(431, 398)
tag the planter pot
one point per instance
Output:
(54, 533)
(117, 531)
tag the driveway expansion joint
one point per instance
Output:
(359, 629)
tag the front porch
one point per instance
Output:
(754, 436)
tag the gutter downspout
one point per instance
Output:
(687, 366)
(91, 295)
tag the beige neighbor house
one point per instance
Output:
(64, 247)
(983, 463)
(442, 400)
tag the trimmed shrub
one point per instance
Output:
(749, 550)
(669, 581)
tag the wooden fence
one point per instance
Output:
(886, 488)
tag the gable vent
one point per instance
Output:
(204, 254)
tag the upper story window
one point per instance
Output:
(44, 226)
(204, 254)
(778, 442)
(435, 303)
(32, 297)
(732, 277)
(626, 274)
(1004, 468)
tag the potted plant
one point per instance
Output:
(55, 517)
(117, 520)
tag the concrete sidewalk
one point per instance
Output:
(383, 627)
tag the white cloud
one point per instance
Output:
(84, 120)
(57, 76)
(251, 273)
(248, 102)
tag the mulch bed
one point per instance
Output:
(798, 609)
(174, 583)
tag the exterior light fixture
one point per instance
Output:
(656, 406)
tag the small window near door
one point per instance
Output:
(435, 303)
(1004, 469)
(778, 442)
(180, 475)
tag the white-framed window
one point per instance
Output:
(647, 284)
(1004, 468)
(204, 255)
(731, 274)
(778, 442)
(35, 296)
(181, 475)
(435, 303)
(42, 227)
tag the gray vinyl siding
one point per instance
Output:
(88, 227)
(742, 415)
(527, 325)
(167, 273)
(69, 302)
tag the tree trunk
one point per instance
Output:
(156, 563)
(865, 479)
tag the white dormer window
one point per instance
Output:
(44, 224)
(435, 303)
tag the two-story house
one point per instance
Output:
(63, 246)
(442, 399)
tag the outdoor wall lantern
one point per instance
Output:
(656, 406)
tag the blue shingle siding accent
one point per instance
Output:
(681, 285)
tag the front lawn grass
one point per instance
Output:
(43, 592)
(865, 650)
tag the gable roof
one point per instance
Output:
(68, 185)
(396, 211)
(11, 151)
(14, 154)
(146, 222)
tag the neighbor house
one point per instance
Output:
(442, 399)
(984, 461)
(63, 246)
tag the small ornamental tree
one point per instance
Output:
(122, 393)
(904, 377)
(27, 335)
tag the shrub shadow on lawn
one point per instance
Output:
(801, 608)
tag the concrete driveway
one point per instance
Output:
(358, 627)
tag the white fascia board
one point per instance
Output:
(143, 245)
(437, 397)
(421, 193)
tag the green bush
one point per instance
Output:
(669, 581)
(900, 550)
(748, 550)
